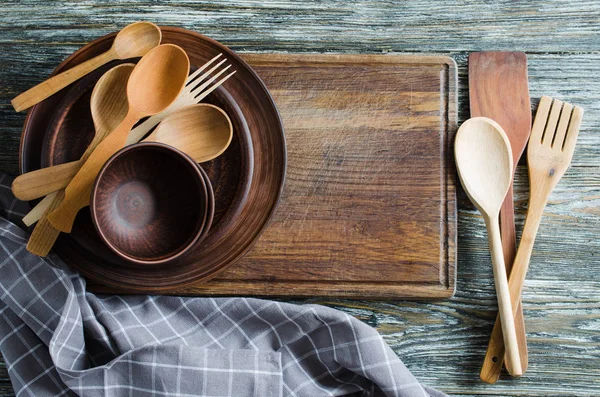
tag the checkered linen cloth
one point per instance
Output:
(57, 339)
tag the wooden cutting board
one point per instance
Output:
(368, 208)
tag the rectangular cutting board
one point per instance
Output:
(368, 208)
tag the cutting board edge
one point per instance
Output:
(266, 59)
(305, 290)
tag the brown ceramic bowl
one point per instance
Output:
(150, 203)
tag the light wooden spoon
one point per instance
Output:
(201, 131)
(109, 106)
(484, 162)
(154, 84)
(132, 41)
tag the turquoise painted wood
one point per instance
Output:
(443, 342)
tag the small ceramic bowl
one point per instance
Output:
(150, 203)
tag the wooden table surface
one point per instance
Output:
(442, 342)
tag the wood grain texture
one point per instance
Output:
(442, 343)
(138, 208)
(368, 208)
(499, 89)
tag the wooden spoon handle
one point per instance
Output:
(509, 248)
(507, 229)
(503, 293)
(38, 183)
(494, 355)
(78, 192)
(36, 213)
(56, 83)
(44, 235)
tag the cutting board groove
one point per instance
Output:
(369, 207)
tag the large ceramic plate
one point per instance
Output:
(247, 179)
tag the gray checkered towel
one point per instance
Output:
(57, 339)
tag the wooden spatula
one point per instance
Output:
(499, 89)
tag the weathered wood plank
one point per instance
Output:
(298, 26)
(441, 342)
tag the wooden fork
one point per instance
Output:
(549, 153)
(44, 234)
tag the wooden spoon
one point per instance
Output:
(199, 131)
(109, 106)
(132, 41)
(484, 162)
(499, 89)
(154, 84)
(202, 131)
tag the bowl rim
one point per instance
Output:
(198, 232)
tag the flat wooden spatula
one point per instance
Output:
(499, 89)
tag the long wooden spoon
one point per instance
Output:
(154, 84)
(109, 106)
(499, 89)
(132, 41)
(484, 162)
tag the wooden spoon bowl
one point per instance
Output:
(150, 203)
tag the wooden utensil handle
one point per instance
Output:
(537, 202)
(35, 184)
(77, 193)
(36, 212)
(507, 229)
(44, 235)
(56, 83)
(139, 132)
(503, 294)
(38, 183)
(494, 355)
(491, 368)
(509, 248)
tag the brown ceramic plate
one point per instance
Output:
(247, 179)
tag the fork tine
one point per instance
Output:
(552, 121)
(192, 76)
(573, 131)
(541, 116)
(197, 84)
(563, 123)
(201, 87)
(203, 94)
